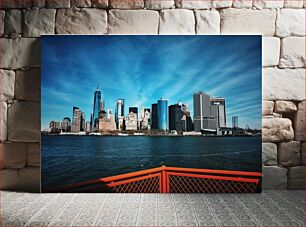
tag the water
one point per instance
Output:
(70, 159)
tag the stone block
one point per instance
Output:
(303, 160)
(159, 4)
(33, 154)
(15, 4)
(192, 4)
(269, 154)
(285, 107)
(24, 122)
(126, 4)
(100, 3)
(289, 153)
(293, 4)
(2, 15)
(270, 51)
(290, 22)
(13, 21)
(80, 3)
(208, 22)
(262, 4)
(81, 21)
(248, 21)
(299, 122)
(133, 22)
(296, 177)
(177, 21)
(25, 180)
(39, 3)
(13, 155)
(27, 85)
(55, 4)
(222, 3)
(7, 84)
(277, 129)
(274, 177)
(242, 4)
(3, 121)
(20, 53)
(293, 52)
(39, 22)
(283, 84)
(267, 108)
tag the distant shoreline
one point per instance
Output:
(109, 135)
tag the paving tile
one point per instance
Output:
(271, 208)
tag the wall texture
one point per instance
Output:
(281, 22)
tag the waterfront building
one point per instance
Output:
(145, 120)
(52, 125)
(218, 111)
(201, 109)
(76, 120)
(162, 114)
(106, 120)
(83, 122)
(55, 126)
(187, 124)
(119, 115)
(91, 121)
(106, 124)
(88, 126)
(66, 124)
(175, 117)
(154, 116)
(96, 109)
(121, 123)
(131, 121)
(235, 122)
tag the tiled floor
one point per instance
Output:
(271, 208)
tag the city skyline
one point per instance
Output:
(141, 74)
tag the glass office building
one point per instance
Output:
(96, 109)
(162, 114)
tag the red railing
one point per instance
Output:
(172, 180)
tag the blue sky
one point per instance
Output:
(142, 69)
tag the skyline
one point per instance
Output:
(131, 67)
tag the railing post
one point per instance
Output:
(164, 179)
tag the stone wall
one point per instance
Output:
(281, 22)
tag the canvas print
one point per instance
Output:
(151, 114)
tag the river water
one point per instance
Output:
(70, 159)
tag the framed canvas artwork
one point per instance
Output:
(151, 114)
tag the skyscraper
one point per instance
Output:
(96, 109)
(145, 120)
(154, 116)
(162, 114)
(175, 117)
(76, 120)
(218, 111)
(66, 124)
(131, 121)
(201, 108)
(119, 115)
(83, 122)
(235, 122)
